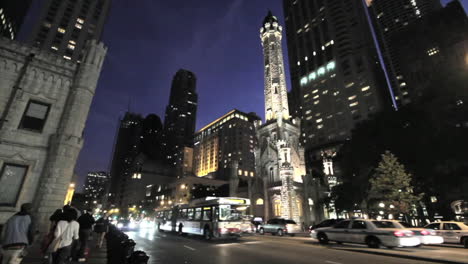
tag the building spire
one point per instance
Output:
(276, 94)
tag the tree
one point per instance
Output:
(390, 188)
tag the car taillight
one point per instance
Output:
(427, 233)
(402, 233)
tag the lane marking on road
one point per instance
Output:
(332, 262)
(191, 248)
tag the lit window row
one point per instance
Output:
(318, 73)
(432, 51)
(245, 173)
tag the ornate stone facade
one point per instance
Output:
(45, 101)
(279, 157)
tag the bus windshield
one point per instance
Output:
(232, 212)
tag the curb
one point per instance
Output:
(404, 256)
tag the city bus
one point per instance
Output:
(211, 217)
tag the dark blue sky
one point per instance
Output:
(217, 40)
(148, 42)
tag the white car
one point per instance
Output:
(374, 233)
(425, 235)
(452, 232)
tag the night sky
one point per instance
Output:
(218, 40)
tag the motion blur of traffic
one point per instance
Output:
(125, 224)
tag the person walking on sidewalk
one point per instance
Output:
(101, 228)
(17, 233)
(66, 231)
(86, 221)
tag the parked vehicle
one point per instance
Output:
(452, 232)
(326, 223)
(426, 236)
(280, 227)
(374, 233)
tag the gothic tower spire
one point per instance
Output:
(276, 94)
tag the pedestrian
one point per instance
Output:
(65, 232)
(101, 228)
(49, 237)
(86, 221)
(17, 234)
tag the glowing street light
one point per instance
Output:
(382, 205)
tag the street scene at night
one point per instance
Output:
(233, 131)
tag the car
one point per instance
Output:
(325, 223)
(374, 233)
(127, 225)
(280, 227)
(425, 235)
(453, 232)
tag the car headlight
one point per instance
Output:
(131, 225)
(119, 225)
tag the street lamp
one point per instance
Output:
(382, 205)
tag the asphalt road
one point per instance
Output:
(164, 248)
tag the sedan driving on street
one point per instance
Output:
(280, 227)
(426, 236)
(374, 233)
(452, 232)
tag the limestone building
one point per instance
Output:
(44, 104)
(279, 156)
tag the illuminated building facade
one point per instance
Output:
(12, 14)
(279, 155)
(65, 26)
(96, 187)
(228, 139)
(335, 77)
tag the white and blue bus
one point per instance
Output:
(211, 217)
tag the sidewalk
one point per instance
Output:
(96, 255)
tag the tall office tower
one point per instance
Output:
(227, 140)
(95, 187)
(433, 57)
(127, 147)
(389, 18)
(66, 25)
(335, 77)
(181, 113)
(12, 14)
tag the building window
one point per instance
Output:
(61, 30)
(11, 181)
(259, 201)
(277, 207)
(433, 51)
(35, 116)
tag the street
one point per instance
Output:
(171, 248)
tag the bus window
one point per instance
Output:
(183, 213)
(207, 213)
(169, 215)
(198, 213)
(232, 212)
(190, 214)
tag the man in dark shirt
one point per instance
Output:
(86, 222)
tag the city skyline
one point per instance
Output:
(145, 42)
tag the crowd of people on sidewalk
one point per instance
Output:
(66, 239)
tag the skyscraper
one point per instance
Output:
(390, 17)
(126, 148)
(12, 14)
(335, 76)
(66, 25)
(96, 187)
(181, 112)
